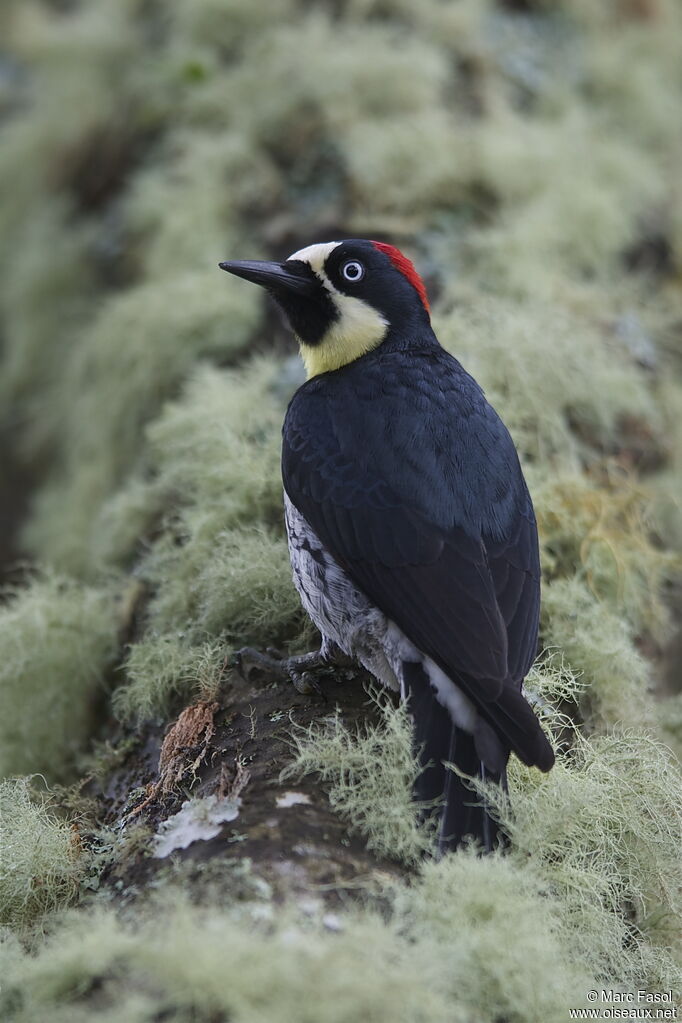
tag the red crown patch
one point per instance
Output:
(406, 268)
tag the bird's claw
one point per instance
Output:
(305, 683)
(252, 664)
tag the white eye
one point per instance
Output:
(353, 271)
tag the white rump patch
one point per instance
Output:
(399, 648)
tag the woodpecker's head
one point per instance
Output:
(342, 298)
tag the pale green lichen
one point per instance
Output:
(526, 160)
(369, 776)
(159, 667)
(57, 641)
(546, 372)
(600, 647)
(669, 713)
(205, 963)
(436, 953)
(602, 829)
(41, 860)
(607, 532)
(45, 300)
(142, 345)
(219, 567)
(435, 957)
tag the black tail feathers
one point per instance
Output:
(465, 813)
(460, 812)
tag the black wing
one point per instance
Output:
(413, 484)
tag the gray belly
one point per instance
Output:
(347, 619)
(341, 612)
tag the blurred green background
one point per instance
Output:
(527, 155)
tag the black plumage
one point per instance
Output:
(406, 485)
(412, 482)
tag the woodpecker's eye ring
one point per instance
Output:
(353, 271)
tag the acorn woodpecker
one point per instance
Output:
(411, 531)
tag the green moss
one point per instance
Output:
(89, 101)
(370, 72)
(587, 896)
(207, 963)
(57, 640)
(124, 523)
(551, 682)
(578, 213)
(604, 829)
(458, 911)
(180, 211)
(543, 393)
(437, 957)
(41, 862)
(369, 775)
(217, 448)
(137, 353)
(46, 292)
(599, 646)
(599, 834)
(158, 667)
(607, 531)
(238, 582)
(669, 713)
(219, 566)
(227, 24)
(527, 161)
(412, 162)
(233, 586)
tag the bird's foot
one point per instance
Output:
(301, 671)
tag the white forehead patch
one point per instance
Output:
(316, 256)
(358, 328)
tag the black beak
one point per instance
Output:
(294, 275)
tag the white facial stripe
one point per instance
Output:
(358, 330)
(316, 256)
